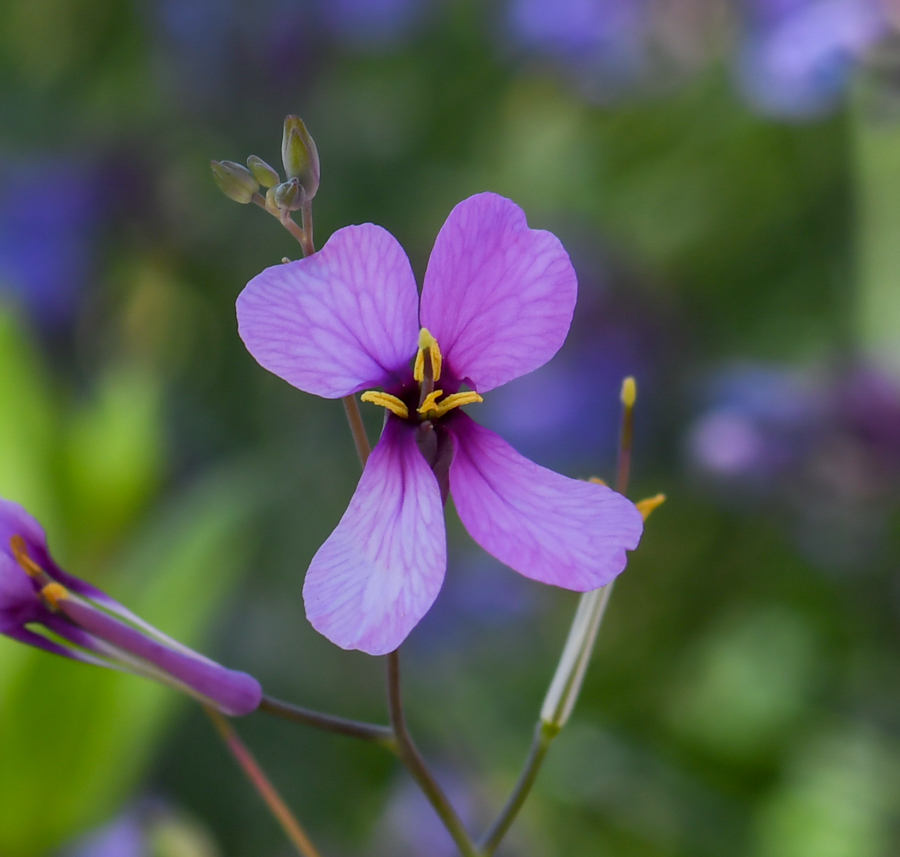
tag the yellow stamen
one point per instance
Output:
(457, 400)
(628, 395)
(430, 403)
(596, 480)
(427, 343)
(645, 507)
(53, 593)
(386, 400)
(20, 552)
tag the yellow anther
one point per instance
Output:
(645, 507)
(430, 403)
(457, 400)
(596, 480)
(386, 400)
(629, 392)
(53, 593)
(20, 552)
(427, 343)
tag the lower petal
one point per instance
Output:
(381, 569)
(544, 525)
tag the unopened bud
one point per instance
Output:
(234, 180)
(299, 155)
(267, 176)
(289, 196)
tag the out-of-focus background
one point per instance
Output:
(726, 177)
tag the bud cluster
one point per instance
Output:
(301, 167)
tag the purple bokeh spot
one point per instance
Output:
(49, 214)
(372, 22)
(606, 38)
(799, 54)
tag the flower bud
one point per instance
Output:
(299, 155)
(290, 196)
(267, 176)
(234, 180)
(43, 606)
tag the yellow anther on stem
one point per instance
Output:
(20, 552)
(645, 507)
(53, 593)
(596, 480)
(457, 400)
(628, 395)
(430, 402)
(386, 400)
(427, 343)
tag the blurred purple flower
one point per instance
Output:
(500, 296)
(799, 54)
(596, 39)
(49, 213)
(759, 422)
(371, 22)
(42, 606)
(123, 837)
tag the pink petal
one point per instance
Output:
(343, 320)
(544, 525)
(381, 569)
(498, 296)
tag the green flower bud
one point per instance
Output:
(267, 176)
(290, 196)
(299, 155)
(234, 180)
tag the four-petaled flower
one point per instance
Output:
(43, 606)
(497, 303)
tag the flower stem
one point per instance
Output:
(383, 735)
(260, 781)
(567, 680)
(357, 429)
(413, 761)
(544, 733)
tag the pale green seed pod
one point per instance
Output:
(234, 180)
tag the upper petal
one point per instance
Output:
(542, 524)
(381, 569)
(498, 296)
(339, 321)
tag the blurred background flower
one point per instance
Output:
(726, 177)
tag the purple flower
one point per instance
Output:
(497, 303)
(43, 606)
(801, 52)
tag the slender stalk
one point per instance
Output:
(261, 783)
(383, 735)
(307, 221)
(544, 733)
(303, 237)
(411, 758)
(567, 680)
(357, 429)
(297, 231)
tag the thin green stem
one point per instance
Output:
(544, 734)
(307, 220)
(413, 761)
(292, 828)
(304, 237)
(382, 735)
(357, 429)
(565, 686)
